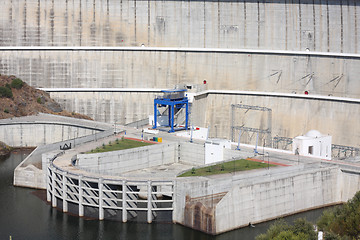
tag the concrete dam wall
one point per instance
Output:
(330, 74)
(319, 25)
(279, 47)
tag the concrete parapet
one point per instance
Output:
(118, 162)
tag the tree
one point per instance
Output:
(342, 221)
(301, 229)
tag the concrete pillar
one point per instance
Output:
(173, 199)
(81, 191)
(64, 189)
(124, 212)
(101, 208)
(149, 198)
(53, 201)
(48, 183)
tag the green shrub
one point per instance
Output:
(6, 92)
(222, 167)
(38, 100)
(6, 110)
(17, 83)
(8, 86)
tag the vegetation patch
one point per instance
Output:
(6, 92)
(17, 83)
(225, 167)
(301, 230)
(340, 223)
(119, 144)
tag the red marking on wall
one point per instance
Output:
(273, 163)
(139, 140)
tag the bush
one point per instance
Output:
(17, 83)
(6, 110)
(301, 229)
(6, 92)
(8, 86)
(38, 100)
(343, 221)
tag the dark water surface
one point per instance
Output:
(24, 216)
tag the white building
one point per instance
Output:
(214, 150)
(313, 144)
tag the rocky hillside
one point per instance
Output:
(19, 99)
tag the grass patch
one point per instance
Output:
(119, 145)
(226, 167)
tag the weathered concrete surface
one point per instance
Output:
(44, 129)
(24, 131)
(290, 117)
(277, 197)
(118, 162)
(233, 201)
(317, 25)
(163, 68)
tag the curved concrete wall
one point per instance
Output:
(329, 26)
(42, 129)
(32, 135)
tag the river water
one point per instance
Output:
(23, 215)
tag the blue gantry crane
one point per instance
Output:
(174, 99)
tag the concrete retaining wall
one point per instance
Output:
(30, 173)
(192, 153)
(117, 162)
(25, 135)
(236, 200)
(42, 129)
(274, 198)
(317, 25)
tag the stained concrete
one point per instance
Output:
(329, 26)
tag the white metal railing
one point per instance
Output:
(108, 194)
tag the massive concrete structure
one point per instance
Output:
(281, 47)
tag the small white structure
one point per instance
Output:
(214, 150)
(195, 133)
(313, 144)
